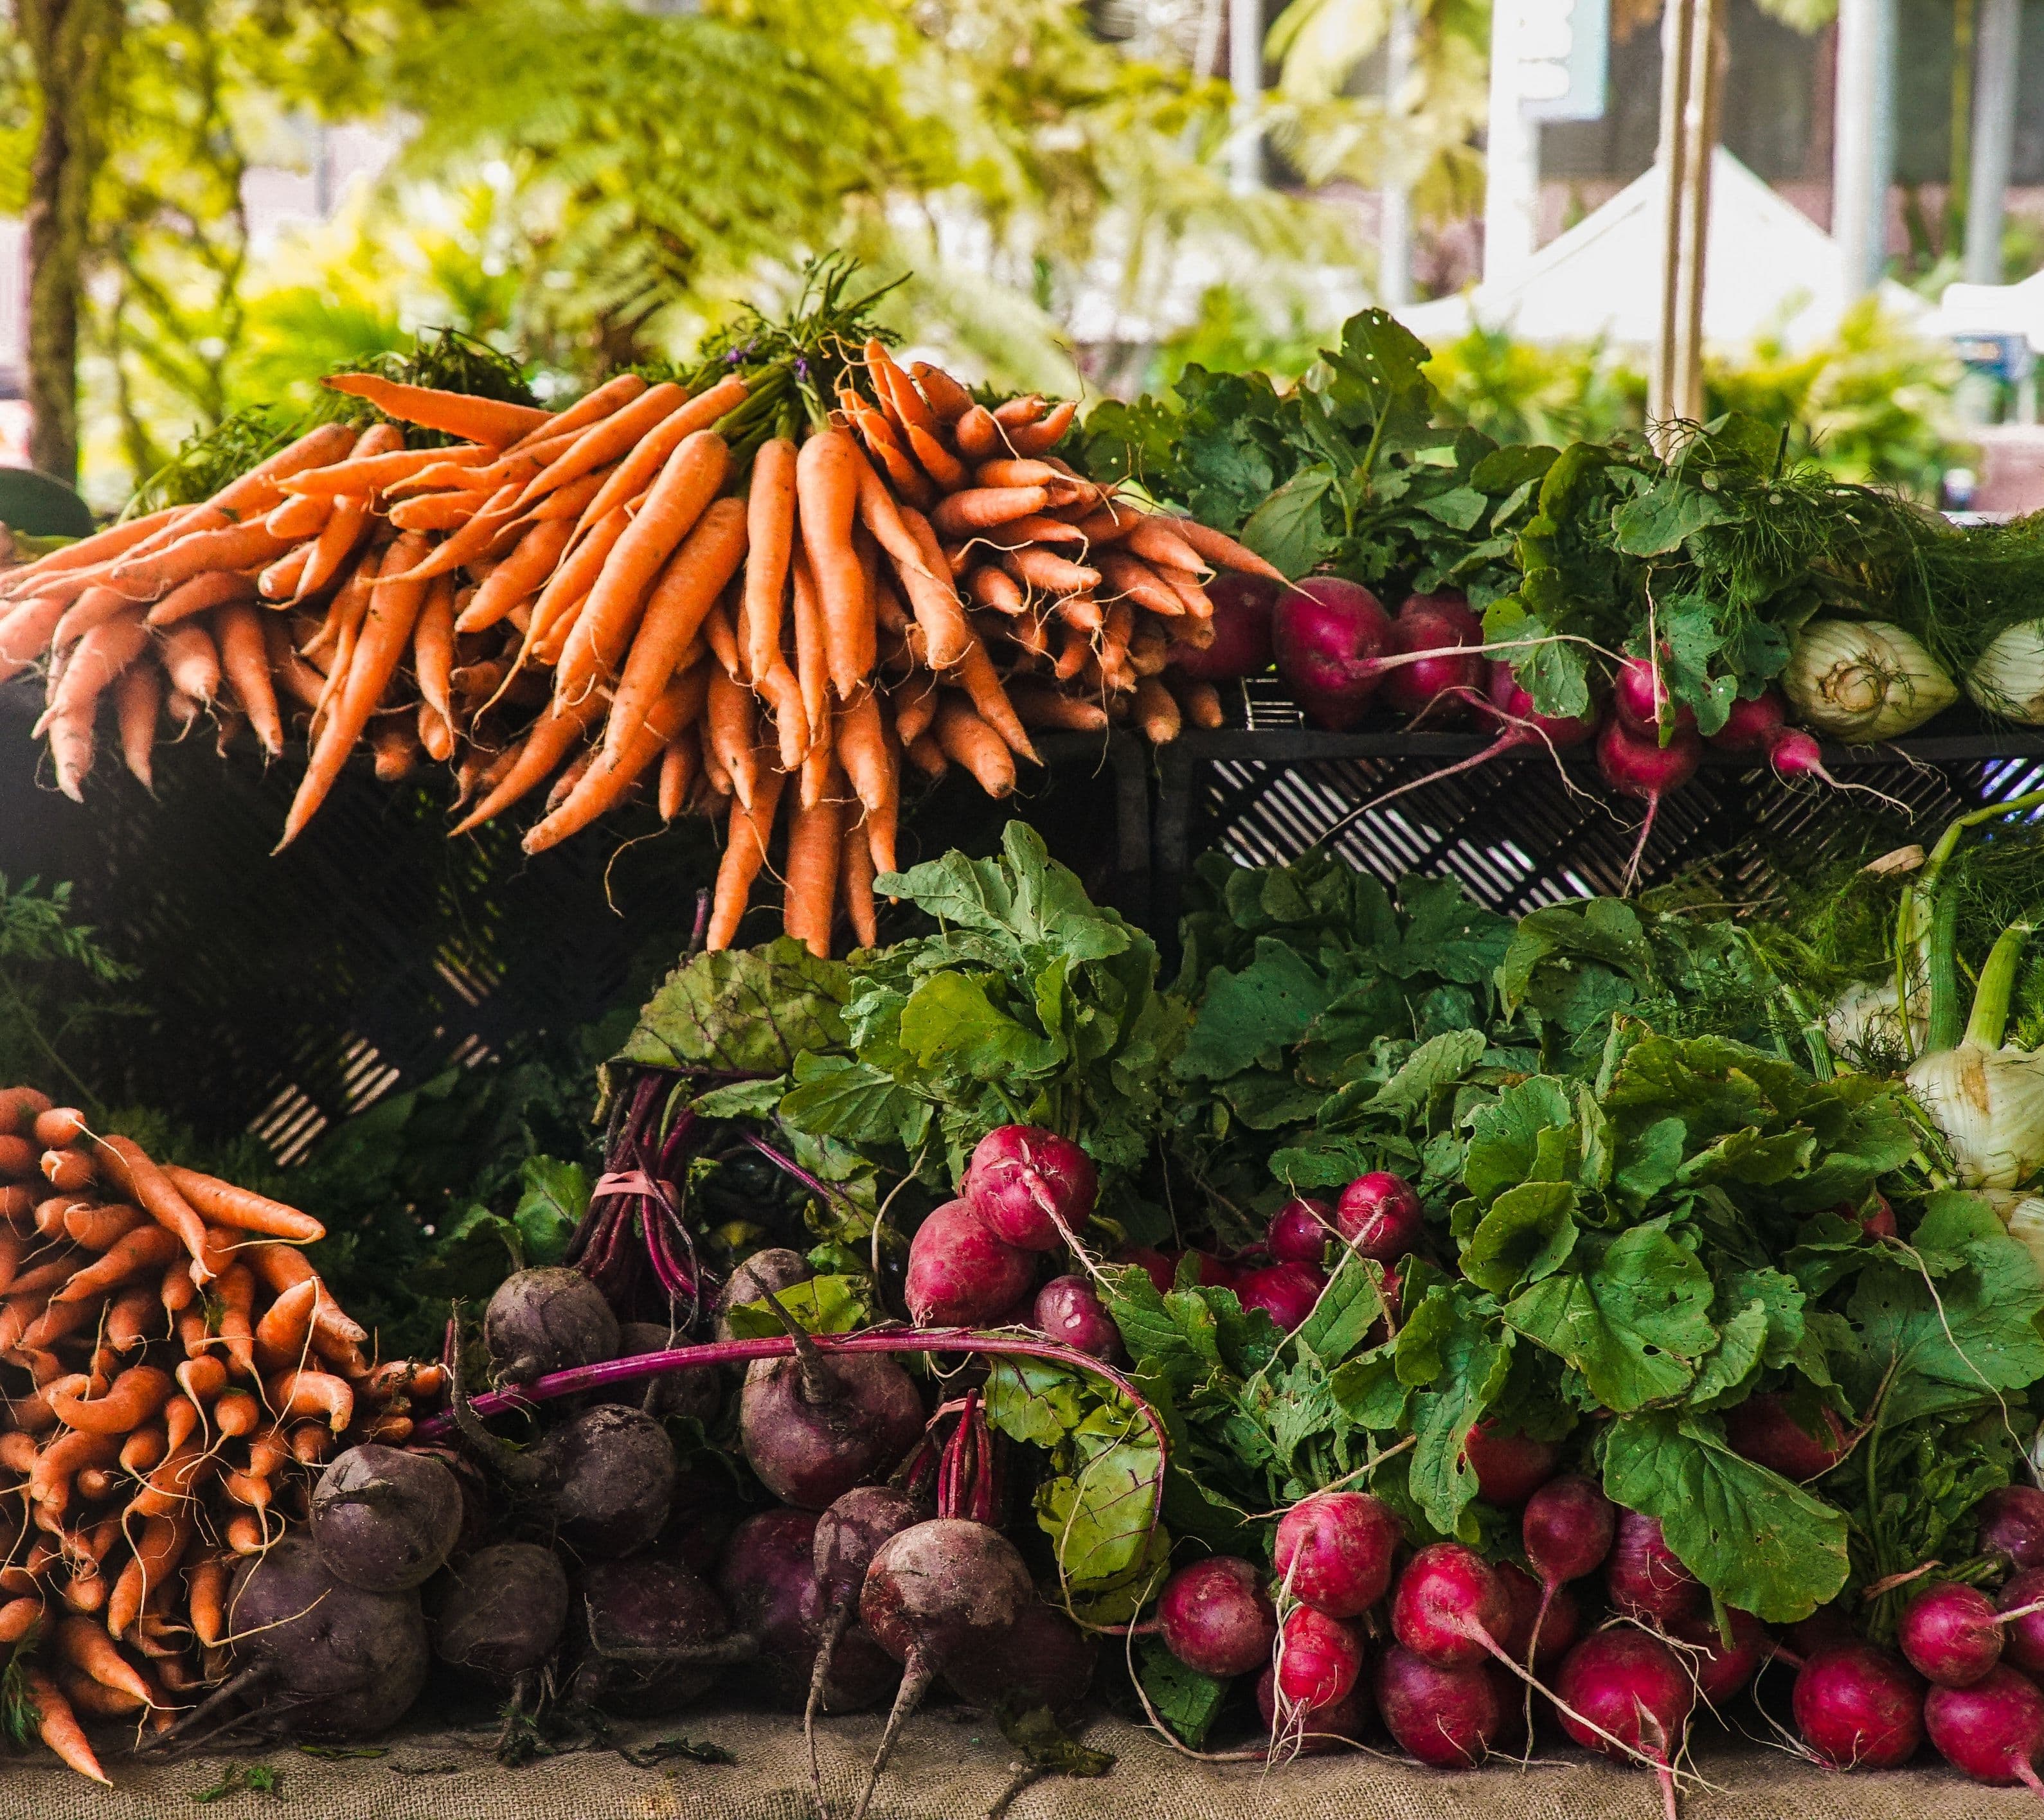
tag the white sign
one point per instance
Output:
(1564, 57)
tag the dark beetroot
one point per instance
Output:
(767, 1580)
(1069, 1308)
(848, 1535)
(1446, 1718)
(1950, 1634)
(1642, 1576)
(1437, 686)
(1858, 1706)
(1560, 1624)
(943, 1589)
(1334, 1551)
(1762, 1429)
(1720, 1671)
(2022, 1636)
(502, 1612)
(1030, 1188)
(1380, 1216)
(651, 1626)
(1243, 606)
(1509, 1467)
(763, 1273)
(1319, 1659)
(1044, 1659)
(1328, 636)
(1623, 1683)
(1992, 1731)
(813, 1427)
(1286, 1292)
(611, 1471)
(2011, 1523)
(1299, 1232)
(1449, 1607)
(384, 1519)
(1338, 1725)
(547, 1320)
(960, 1275)
(1216, 1617)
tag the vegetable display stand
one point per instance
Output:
(1524, 831)
(288, 991)
(954, 1765)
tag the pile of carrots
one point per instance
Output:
(173, 1370)
(736, 596)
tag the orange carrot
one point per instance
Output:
(861, 741)
(1223, 552)
(225, 1204)
(964, 737)
(1131, 576)
(904, 405)
(18, 1616)
(855, 885)
(1043, 435)
(371, 469)
(96, 1228)
(453, 413)
(769, 528)
(814, 836)
(133, 1398)
(827, 483)
(58, 1727)
(746, 835)
(284, 1334)
(472, 540)
(297, 1394)
(812, 663)
(192, 660)
(70, 1171)
(200, 593)
(432, 658)
(1040, 568)
(246, 664)
(782, 694)
(937, 462)
(434, 512)
(679, 765)
(1157, 541)
(637, 469)
(236, 1413)
(611, 774)
(686, 590)
(206, 1581)
(1038, 706)
(138, 700)
(980, 508)
(948, 399)
(613, 394)
(252, 493)
(931, 593)
(977, 434)
(394, 748)
(25, 633)
(230, 547)
(54, 1126)
(605, 441)
(297, 678)
(728, 733)
(98, 658)
(90, 552)
(1012, 413)
(989, 701)
(297, 514)
(687, 484)
(545, 745)
(93, 608)
(996, 589)
(877, 434)
(143, 1249)
(386, 634)
(151, 1190)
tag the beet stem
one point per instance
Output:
(251, 1680)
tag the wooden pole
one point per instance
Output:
(1700, 134)
(1993, 139)
(1678, 27)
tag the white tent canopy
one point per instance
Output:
(1770, 270)
(1976, 310)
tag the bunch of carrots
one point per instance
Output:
(749, 591)
(175, 1370)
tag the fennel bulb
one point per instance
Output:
(2008, 678)
(1863, 679)
(1988, 1100)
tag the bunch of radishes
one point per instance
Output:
(1342, 654)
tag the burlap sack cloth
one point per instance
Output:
(952, 1766)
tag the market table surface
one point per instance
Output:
(951, 1765)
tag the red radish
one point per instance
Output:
(1876, 1221)
(959, 1274)
(1243, 606)
(1445, 1717)
(2011, 1522)
(2022, 1637)
(1153, 1263)
(1631, 1686)
(1752, 723)
(1298, 1232)
(1286, 1292)
(1633, 764)
(1639, 692)
(1558, 1619)
(1642, 1576)
(1828, 1627)
(1762, 1430)
(1437, 686)
(1720, 1672)
(1858, 1706)
(1334, 1551)
(1379, 1215)
(1216, 1617)
(1449, 1607)
(1992, 1731)
(1567, 1528)
(1211, 1272)
(1509, 1467)
(1329, 638)
(1334, 1726)
(1319, 1658)
(1950, 1634)
(1031, 1188)
(1069, 1308)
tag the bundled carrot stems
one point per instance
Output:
(763, 593)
